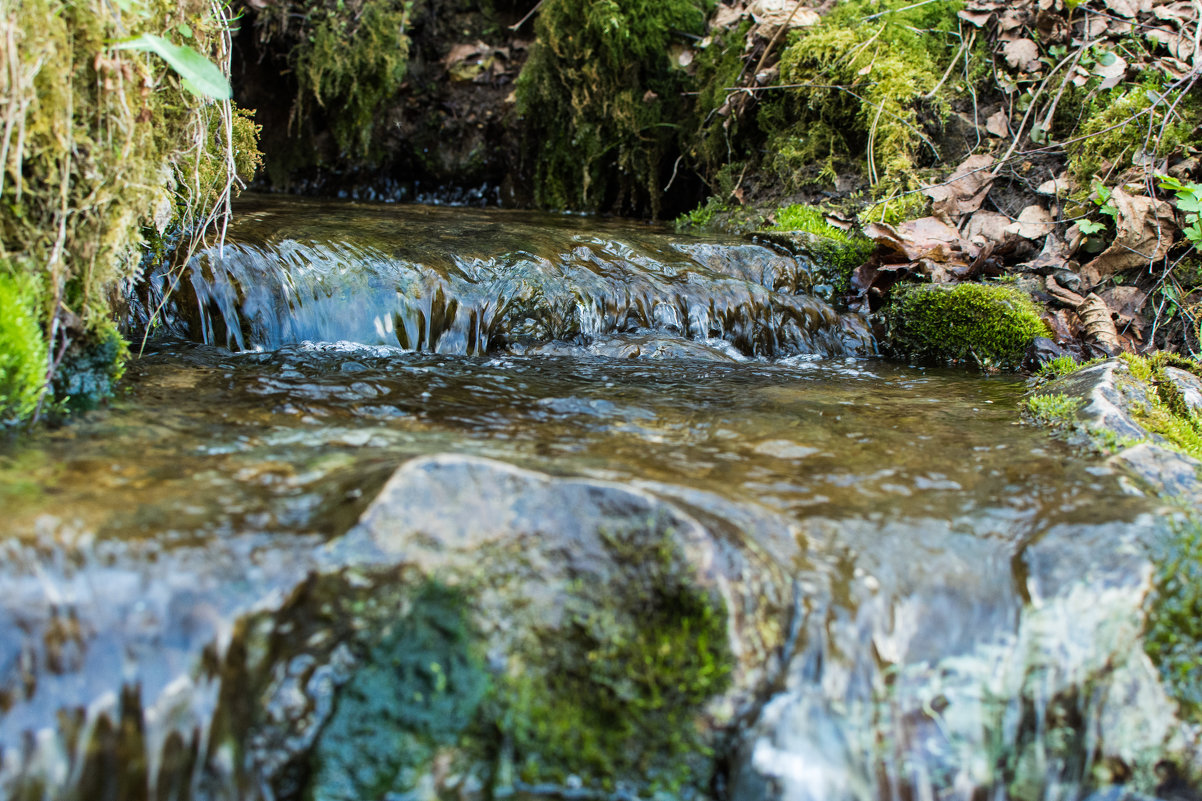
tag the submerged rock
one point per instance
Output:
(508, 629)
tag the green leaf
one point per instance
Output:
(185, 30)
(1189, 202)
(1106, 58)
(200, 75)
(1088, 227)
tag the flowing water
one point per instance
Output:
(967, 589)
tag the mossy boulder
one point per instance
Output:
(489, 627)
(987, 325)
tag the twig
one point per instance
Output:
(779, 32)
(898, 10)
(529, 14)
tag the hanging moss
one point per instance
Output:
(100, 144)
(351, 58)
(988, 325)
(601, 100)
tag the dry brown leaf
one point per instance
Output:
(965, 190)
(1092, 27)
(978, 18)
(1064, 325)
(1145, 232)
(925, 238)
(1126, 304)
(986, 227)
(1128, 8)
(1022, 55)
(1011, 21)
(774, 13)
(1055, 187)
(998, 124)
(1065, 296)
(1034, 222)
(727, 17)
(1179, 47)
(1113, 73)
(1098, 326)
(1182, 12)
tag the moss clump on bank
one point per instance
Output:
(602, 99)
(990, 326)
(23, 362)
(861, 77)
(102, 144)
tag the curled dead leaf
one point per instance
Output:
(1145, 229)
(1098, 326)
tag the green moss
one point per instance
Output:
(990, 326)
(836, 253)
(602, 99)
(623, 686)
(102, 144)
(1056, 409)
(419, 689)
(23, 363)
(351, 58)
(702, 217)
(897, 209)
(1062, 366)
(887, 68)
(1115, 129)
(1166, 413)
(1173, 629)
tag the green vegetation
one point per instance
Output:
(104, 140)
(860, 78)
(23, 363)
(1173, 629)
(351, 57)
(1116, 125)
(1166, 413)
(621, 687)
(602, 99)
(836, 253)
(1055, 409)
(988, 325)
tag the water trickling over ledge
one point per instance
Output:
(460, 281)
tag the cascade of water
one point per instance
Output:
(263, 290)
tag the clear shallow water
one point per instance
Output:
(968, 588)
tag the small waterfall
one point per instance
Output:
(269, 287)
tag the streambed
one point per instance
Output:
(927, 597)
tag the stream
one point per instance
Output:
(927, 597)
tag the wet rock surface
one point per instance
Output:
(1111, 397)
